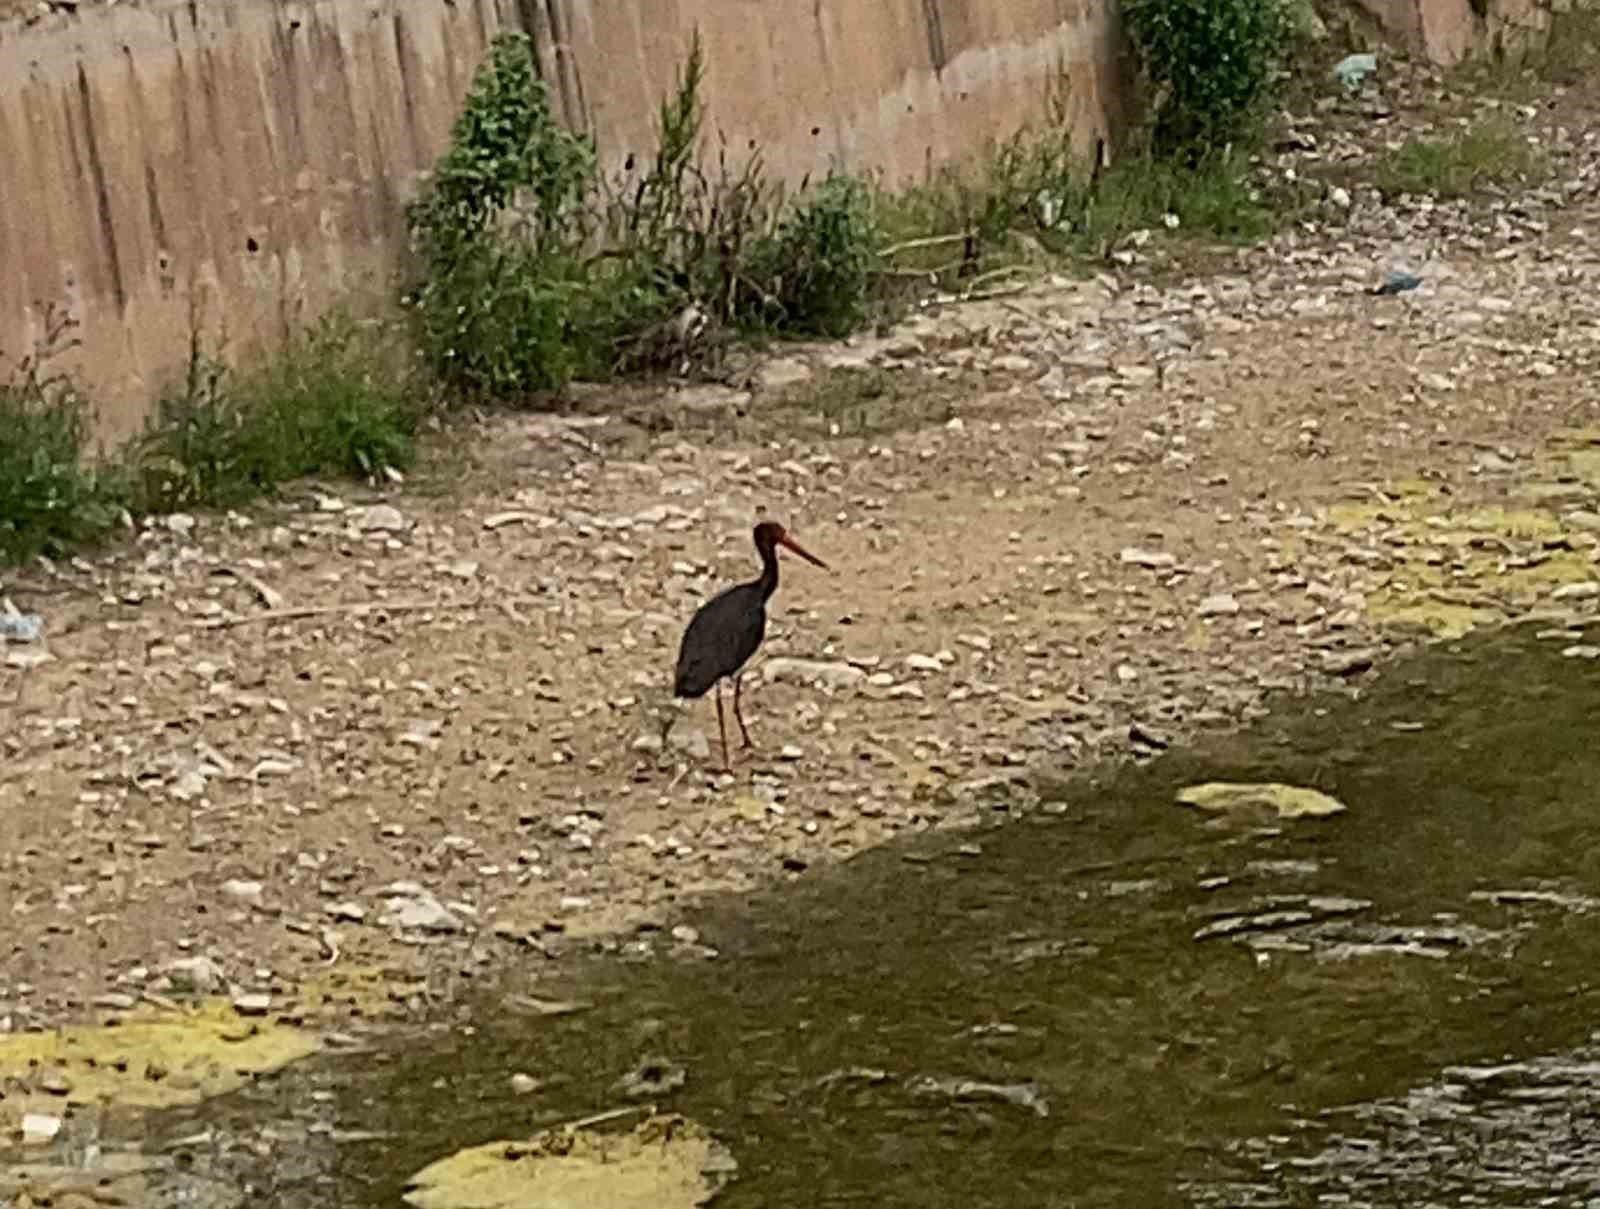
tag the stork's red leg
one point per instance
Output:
(722, 729)
(738, 716)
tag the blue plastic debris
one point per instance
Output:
(1352, 69)
(1398, 282)
(21, 627)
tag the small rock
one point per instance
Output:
(1348, 663)
(245, 892)
(380, 518)
(524, 1085)
(1578, 591)
(200, 975)
(39, 1129)
(812, 671)
(1154, 560)
(1221, 605)
(412, 909)
(252, 1003)
(923, 663)
(653, 1077)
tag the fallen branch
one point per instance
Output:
(928, 241)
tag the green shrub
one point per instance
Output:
(1210, 66)
(532, 268)
(815, 270)
(50, 496)
(334, 400)
(499, 234)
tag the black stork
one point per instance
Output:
(728, 629)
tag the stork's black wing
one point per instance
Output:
(720, 639)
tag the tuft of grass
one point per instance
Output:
(340, 398)
(1459, 164)
(50, 498)
(335, 400)
(1033, 196)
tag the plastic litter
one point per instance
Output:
(1353, 69)
(1398, 282)
(21, 627)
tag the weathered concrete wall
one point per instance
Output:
(244, 163)
(1448, 32)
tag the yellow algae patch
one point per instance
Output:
(1442, 618)
(668, 1162)
(153, 1059)
(368, 992)
(1585, 464)
(1286, 801)
(1525, 524)
(1353, 518)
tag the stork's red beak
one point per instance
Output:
(788, 541)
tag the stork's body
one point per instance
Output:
(728, 629)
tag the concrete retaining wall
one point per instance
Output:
(242, 163)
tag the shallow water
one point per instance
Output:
(1023, 1016)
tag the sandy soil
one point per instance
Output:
(1078, 521)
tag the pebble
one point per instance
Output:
(1220, 605)
(243, 891)
(1576, 591)
(199, 974)
(380, 518)
(253, 1003)
(410, 908)
(829, 674)
(1153, 560)
(39, 1129)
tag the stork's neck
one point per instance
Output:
(768, 583)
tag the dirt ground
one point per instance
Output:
(394, 737)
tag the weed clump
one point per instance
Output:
(333, 400)
(49, 497)
(1457, 164)
(534, 267)
(1209, 66)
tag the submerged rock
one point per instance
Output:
(1286, 801)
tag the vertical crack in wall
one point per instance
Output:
(102, 192)
(571, 98)
(937, 51)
